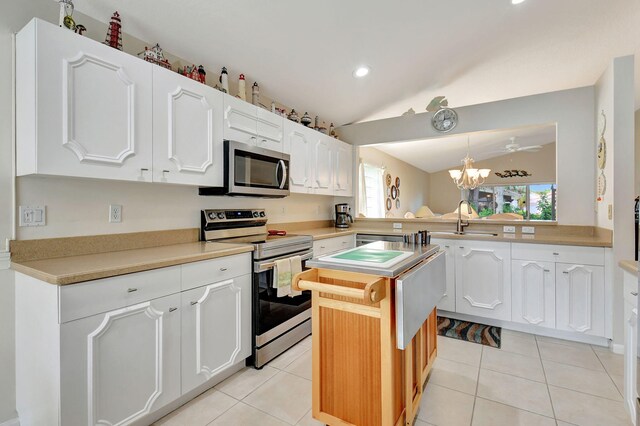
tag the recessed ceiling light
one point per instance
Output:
(361, 72)
(517, 1)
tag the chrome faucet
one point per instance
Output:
(460, 225)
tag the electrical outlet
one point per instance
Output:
(528, 230)
(32, 215)
(509, 229)
(610, 211)
(397, 225)
(115, 213)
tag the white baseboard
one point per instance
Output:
(12, 422)
(617, 348)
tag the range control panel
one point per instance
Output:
(233, 215)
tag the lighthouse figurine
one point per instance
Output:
(242, 88)
(255, 94)
(224, 80)
(114, 33)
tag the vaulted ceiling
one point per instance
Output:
(304, 53)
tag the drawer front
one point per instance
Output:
(94, 297)
(330, 245)
(210, 271)
(556, 253)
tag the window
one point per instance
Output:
(532, 202)
(372, 203)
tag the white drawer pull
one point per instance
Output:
(131, 290)
(173, 309)
(223, 269)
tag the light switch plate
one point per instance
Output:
(397, 225)
(509, 229)
(32, 215)
(528, 229)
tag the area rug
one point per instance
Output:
(469, 331)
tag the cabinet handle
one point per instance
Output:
(194, 303)
(546, 270)
(322, 247)
(144, 169)
(461, 247)
(131, 290)
(565, 272)
(223, 269)
(345, 242)
(173, 309)
(556, 254)
(634, 293)
(446, 246)
(264, 141)
(164, 172)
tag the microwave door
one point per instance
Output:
(256, 171)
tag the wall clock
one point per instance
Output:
(444, 120)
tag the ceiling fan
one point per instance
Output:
(512, 147)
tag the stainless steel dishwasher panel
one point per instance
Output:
(417, 293)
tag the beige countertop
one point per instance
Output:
(573, 240)
(74, 269)
(629, 266)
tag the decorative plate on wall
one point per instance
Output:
(397, 192)
(394, 192)
(388, 203)
(397, 182)
(397, 203)
(387, 179)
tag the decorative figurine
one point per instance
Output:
(316, 126)
(273, 107)
(224, 80)
(114, 33)
(66, 12)
(242, 89)
(255, 94)
(80, 29)
(306, 119)
(155, 56)
(293, 115)
(193, 72)
(323, 129)
(332, 130)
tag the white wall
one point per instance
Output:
(614, 92)
(572, 111)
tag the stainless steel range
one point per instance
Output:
(277, 322)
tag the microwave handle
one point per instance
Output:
(284, 173)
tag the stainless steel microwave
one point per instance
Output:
(252, 171)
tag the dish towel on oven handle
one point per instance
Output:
(296, 268)
(282, 277)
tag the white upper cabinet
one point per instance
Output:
(343, 172)
(83, 108)
(246, 123)
(298, 143)
(187, 130)
(483, 279)
(534, 292)
(323, 171)
(580, 298)
(270, 130)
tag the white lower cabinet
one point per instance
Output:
(448, 301)
(630, 284)
(331, 245)
(483, 279)
(216, 329)
(121, 365)
(580, 298)
(533, 297)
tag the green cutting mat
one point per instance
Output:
(369, 255)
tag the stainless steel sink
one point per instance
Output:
(489, 234)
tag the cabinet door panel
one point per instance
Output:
(483, 284)
(187, 130)
(323, 171)
(448, 301)
(343, 169)
(299, 145)
(580, 298)
(534, 292)
(120, 366)
(94, 108)
(240, 121)
(216, 329)
(270, 130)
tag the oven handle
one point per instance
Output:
(261, 267)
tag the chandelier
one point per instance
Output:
(469, 177)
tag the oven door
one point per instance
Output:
(274, 316)
(256, 171)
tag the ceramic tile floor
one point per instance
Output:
(532, 380)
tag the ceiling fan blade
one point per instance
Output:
(532, 148)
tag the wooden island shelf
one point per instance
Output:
(360, 377)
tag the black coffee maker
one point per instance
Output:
(343, 215)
